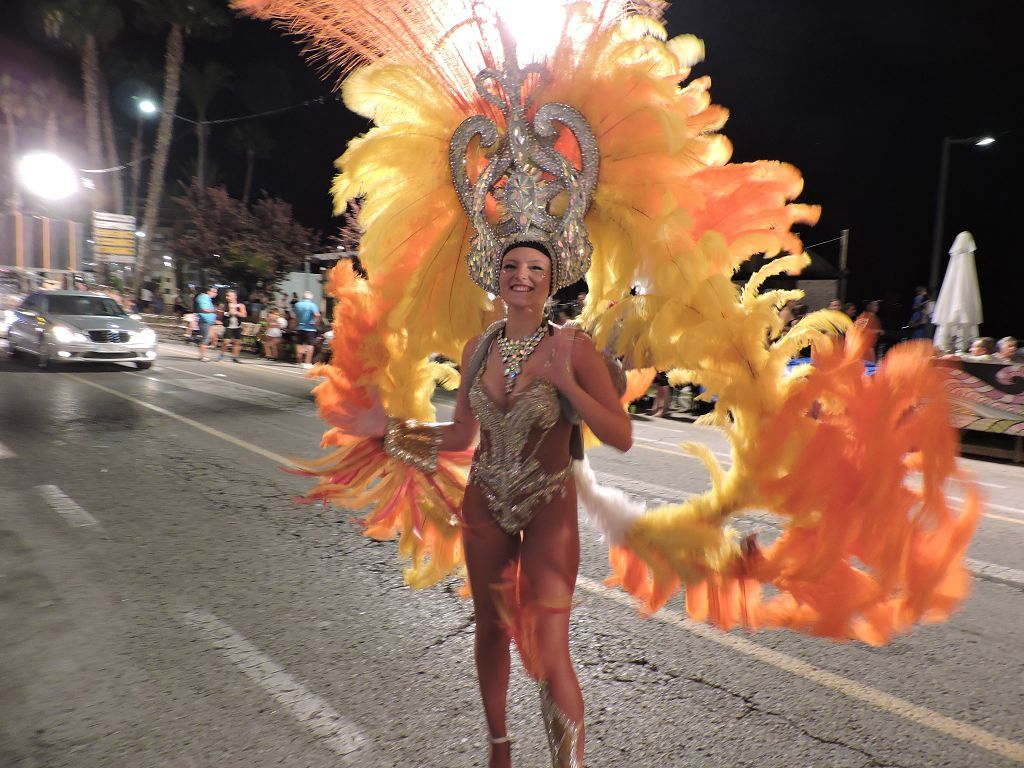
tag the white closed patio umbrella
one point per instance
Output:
(957, 312)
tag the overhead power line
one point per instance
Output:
(220, 121)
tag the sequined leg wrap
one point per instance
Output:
(563, 733)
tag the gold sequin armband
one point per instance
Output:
(414, 442)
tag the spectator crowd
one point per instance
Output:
(275, 326)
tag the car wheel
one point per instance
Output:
(12, 351)
(144, 366)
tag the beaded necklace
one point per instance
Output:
(515, 352)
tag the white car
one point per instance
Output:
(78, 327)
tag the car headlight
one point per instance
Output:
(146, 336)
(65, 335)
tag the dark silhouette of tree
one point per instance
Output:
(180, 19)
(251, 139)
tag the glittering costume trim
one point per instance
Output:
(414, 442)
(515, 352)
(563, 733)
(505, 466)
(525, 173)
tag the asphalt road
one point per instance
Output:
(165, 602)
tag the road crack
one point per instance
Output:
(751, 707)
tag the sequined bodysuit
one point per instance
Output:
(506, 466)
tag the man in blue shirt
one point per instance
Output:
(207, 316)
(307, 320)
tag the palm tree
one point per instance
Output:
(55, 108)
(86, 26)
(250, 138)
(181, 19)
(110, 155)
(200, 86)
(14, 105)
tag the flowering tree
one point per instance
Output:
(245, 246)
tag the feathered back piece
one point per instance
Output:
(860, 554)
(664, 182)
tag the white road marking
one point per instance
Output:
(994, 572)
(5, 452)
(850, 688)
(894, 705)
(333, 730)
(241, 393)
(1014, 520)
(281, 369)
(991, 485)
(669, 445)
(219, 380)
(274, 457)
(1000, 507)
(66, 507)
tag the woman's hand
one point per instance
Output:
(365, 422)
(557, 366)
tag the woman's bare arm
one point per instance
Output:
(456, 435)
(462, 432)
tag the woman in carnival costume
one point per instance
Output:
(597, 158)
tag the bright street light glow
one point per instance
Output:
(47, 176)
(535, 25)
(147, 106)
(984, 141)
(139, 233)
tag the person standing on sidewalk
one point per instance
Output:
(234, 314)
(307, 320)
(206, 316)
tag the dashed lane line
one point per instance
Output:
(6, 453)
(916, 713)
(330, 728)
(901, 708)
(66, 507)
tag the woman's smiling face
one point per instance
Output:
(525, 278)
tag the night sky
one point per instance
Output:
(857, 95)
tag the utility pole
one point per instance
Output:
(940, 203)
(844, 249)
(940, 215)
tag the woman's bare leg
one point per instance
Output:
(549, 563)
(489, 553)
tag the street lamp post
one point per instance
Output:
(940, 202)
(146, 108)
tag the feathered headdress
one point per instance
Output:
(525, 172)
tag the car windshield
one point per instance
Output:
(83, 305)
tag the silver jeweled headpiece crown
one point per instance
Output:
(522, 158)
